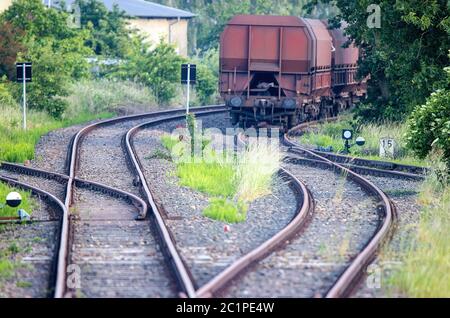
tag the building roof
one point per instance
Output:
(141, 9)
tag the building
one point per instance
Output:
(4, 4)
(153, 20)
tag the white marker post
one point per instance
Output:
(188, 87)
(24, 75)
(24, 96)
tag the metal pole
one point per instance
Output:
(24, 97)
(188, 87)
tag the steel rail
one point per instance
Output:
(59, 270)
(72, 162)
(181, 271)
(411, 171)
(348, 279)
(242, 264)
(225, 277)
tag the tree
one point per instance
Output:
(212, 16)
(404, 57)
(56, 51)
(429, 124)
(157, 68)
(108, 29)
(10, 47)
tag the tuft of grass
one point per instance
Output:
(233, 183)
(425, 270)
(6, 268)
(23, 284)
(255, 169)
(27, 201)
(224, 210)
(212, 178)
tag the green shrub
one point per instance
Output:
(103, 95)
(429, 126)
(158, 68)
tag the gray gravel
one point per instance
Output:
(117, 255)
(51, 186)
(34, 246)
(211, 249)
(344, 220)
(404, 194)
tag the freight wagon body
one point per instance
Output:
(279, 70)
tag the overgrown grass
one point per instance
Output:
(103, 95)
(255, 169)
(90, 100)
(214, 178)
(226, 210)
(27, 202)
(17, 145)
(425, 268)
(330, 134)
(232, 183)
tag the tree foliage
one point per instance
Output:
(157, 68)
(108, 33)
(404, 57)
(9, 49)
(212, 16)
(56, 51)
(429, 124)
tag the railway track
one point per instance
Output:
(129, 207)
(359, 165)
(239, 266)
(42, 254)
(290, 271)
(386, 210)
(106, 232)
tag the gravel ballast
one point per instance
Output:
(345, 218)
(204, 243)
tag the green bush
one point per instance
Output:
(429, 126)
(103, 95)
(158, 68)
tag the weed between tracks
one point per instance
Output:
(231, 183)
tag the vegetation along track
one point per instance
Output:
(108, 236)
(38, 241)
(401, 183)
(350, 276)
(242, 263)
(370, 167)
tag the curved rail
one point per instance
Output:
(72, 162)
(401, 170)
(183, 274)
(347, 280)
(224, 278)
(60, 268)
(304, 209)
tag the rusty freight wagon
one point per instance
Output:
(280, 70)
